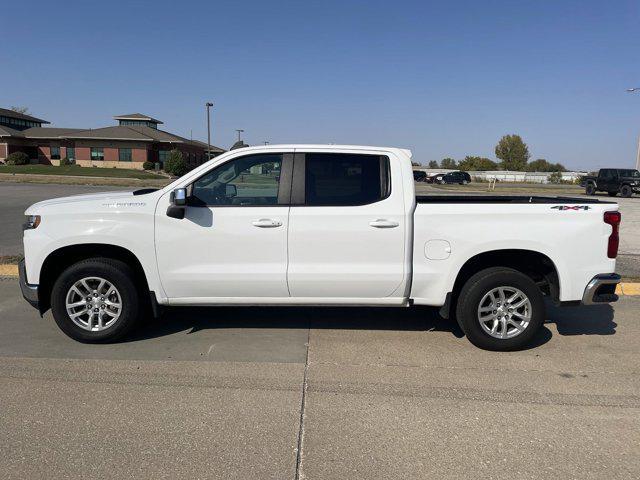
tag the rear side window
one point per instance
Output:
(344, 179)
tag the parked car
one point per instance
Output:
(461, 178)
(613, 181)
(419, 176)
(340, 225)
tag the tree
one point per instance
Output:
(471, 163)
(513, 152)
(433, 164)
(448, 163)
(175, 164)
(20, 109)
(541, 165)
(558, 167)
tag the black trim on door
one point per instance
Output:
(286, 175)
(298, 184)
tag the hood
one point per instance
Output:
(77, 199)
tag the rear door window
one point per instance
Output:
(345, 179)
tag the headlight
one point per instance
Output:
(32, 221)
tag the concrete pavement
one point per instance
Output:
(388, 393)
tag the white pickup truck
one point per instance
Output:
(316, 225)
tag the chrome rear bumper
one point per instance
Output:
(601, 289)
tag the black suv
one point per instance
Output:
(461, 178)
(419, 176)
(613, 181)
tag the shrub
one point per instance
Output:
(555, 177)
(17, 158)
(175, 164)
(148, 165)
(65, 161)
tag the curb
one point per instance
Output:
(8, 270)
(629, 289)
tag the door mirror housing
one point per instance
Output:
(178, 200)
(179, 197)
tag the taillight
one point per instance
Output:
(613, 219)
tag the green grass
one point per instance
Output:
(75, 171)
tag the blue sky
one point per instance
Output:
(441, 78)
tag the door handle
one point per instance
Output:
(266, 223)
(382, 223)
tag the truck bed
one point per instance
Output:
(505, 199)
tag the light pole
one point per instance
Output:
(239, 130)
(208, 105)
(632, 90)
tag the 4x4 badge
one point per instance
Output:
(571, 207)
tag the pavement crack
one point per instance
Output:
(299, 475)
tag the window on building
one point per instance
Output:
(162, 156)
(251, 180)
(124, 154)
(344, 179)
(71, 153)
(55, 153)
(97, 153)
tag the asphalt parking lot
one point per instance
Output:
(366, 393)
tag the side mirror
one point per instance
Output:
(178, 199)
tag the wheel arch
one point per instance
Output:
(536, 265)
(58, 260)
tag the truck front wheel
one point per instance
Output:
(626, 191)
(500, 309)
(95, 300)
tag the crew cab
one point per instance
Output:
(315, 225)
(614, 181)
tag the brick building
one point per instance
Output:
(135, 140)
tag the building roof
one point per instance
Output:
(49, 132)
(22, 116)
(139, 133)
(9, 132)
(204, 145)
(137, 116)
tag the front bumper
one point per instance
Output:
(29, 292)
(601, 289)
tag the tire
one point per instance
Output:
(474, 295)
(612, 194)
(626, 191)
(590, 189)
(119, 289)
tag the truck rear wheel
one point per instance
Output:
(95, 300)
(500, 309)
(626, 191)
(590, 189)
